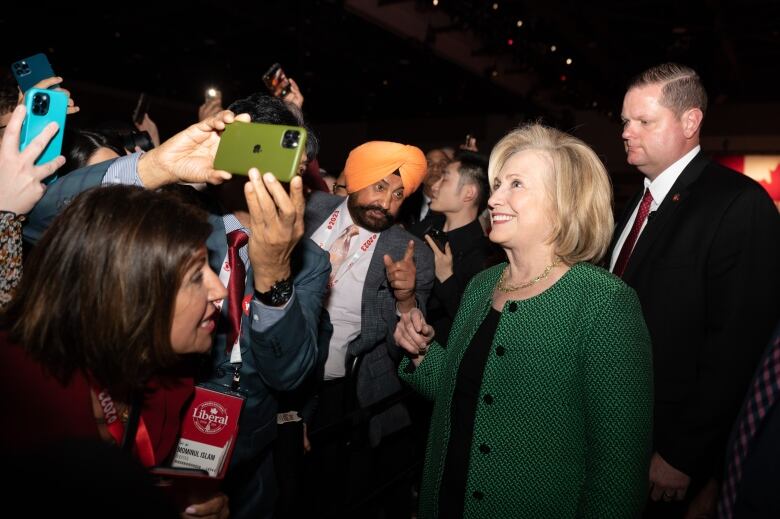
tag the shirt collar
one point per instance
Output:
(345, 220)
(232, 224)
(663, 183)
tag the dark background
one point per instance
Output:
(363, 78)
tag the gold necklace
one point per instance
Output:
(502, 282)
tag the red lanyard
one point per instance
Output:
(143, 443)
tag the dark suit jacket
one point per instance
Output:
(378, 355)
(277, 359)
(707, 272)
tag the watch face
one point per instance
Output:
(279, 294)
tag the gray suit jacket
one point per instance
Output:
(375, 349)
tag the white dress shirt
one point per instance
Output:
(345, 298)
(659, 188)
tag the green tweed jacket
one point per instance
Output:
(563, 426)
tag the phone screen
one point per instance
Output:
(276, 81)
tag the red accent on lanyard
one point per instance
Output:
(143, 443)
(353, 259)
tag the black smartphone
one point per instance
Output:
(439, 237)
(141, 108)
(276, 81)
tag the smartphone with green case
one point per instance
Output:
(270, 148)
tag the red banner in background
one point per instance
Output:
(764, 169)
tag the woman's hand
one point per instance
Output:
(413, 334)
(20, 178)
(214, 508)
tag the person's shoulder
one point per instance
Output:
(489, 275)
(592, 279)
(398, 234)
(726, 180)
(321, 199)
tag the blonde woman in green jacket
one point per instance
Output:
(543, 393)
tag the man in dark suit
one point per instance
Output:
(702, 250)
(276, 344)
(381, 271)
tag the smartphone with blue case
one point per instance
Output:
(44, 106)
(30, 71)
(270, 148)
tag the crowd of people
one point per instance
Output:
(438, 334)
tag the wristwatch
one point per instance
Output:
(280, 293)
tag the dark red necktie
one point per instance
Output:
(236, 239)
(628, 245)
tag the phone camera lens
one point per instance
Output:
(291, 139)
(40, 104)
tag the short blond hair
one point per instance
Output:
(579, 188)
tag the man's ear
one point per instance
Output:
(468, 193)
(691, 122)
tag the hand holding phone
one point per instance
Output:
(19, 177)
(268, 147)
(44, 107)
(442, 253)
(141, 108)
(470, 144)
(276, 81)
(212, 104)
(439, 237)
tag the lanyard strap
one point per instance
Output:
(122, 434)
(365, 248)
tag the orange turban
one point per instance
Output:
(371, 162)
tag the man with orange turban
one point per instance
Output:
(379, 271)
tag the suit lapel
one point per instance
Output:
(665, 214)
(622, 224)
(318, 207)
(376, 277)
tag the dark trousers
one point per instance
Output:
(345, 476)
(251, 487)
(288, 465)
